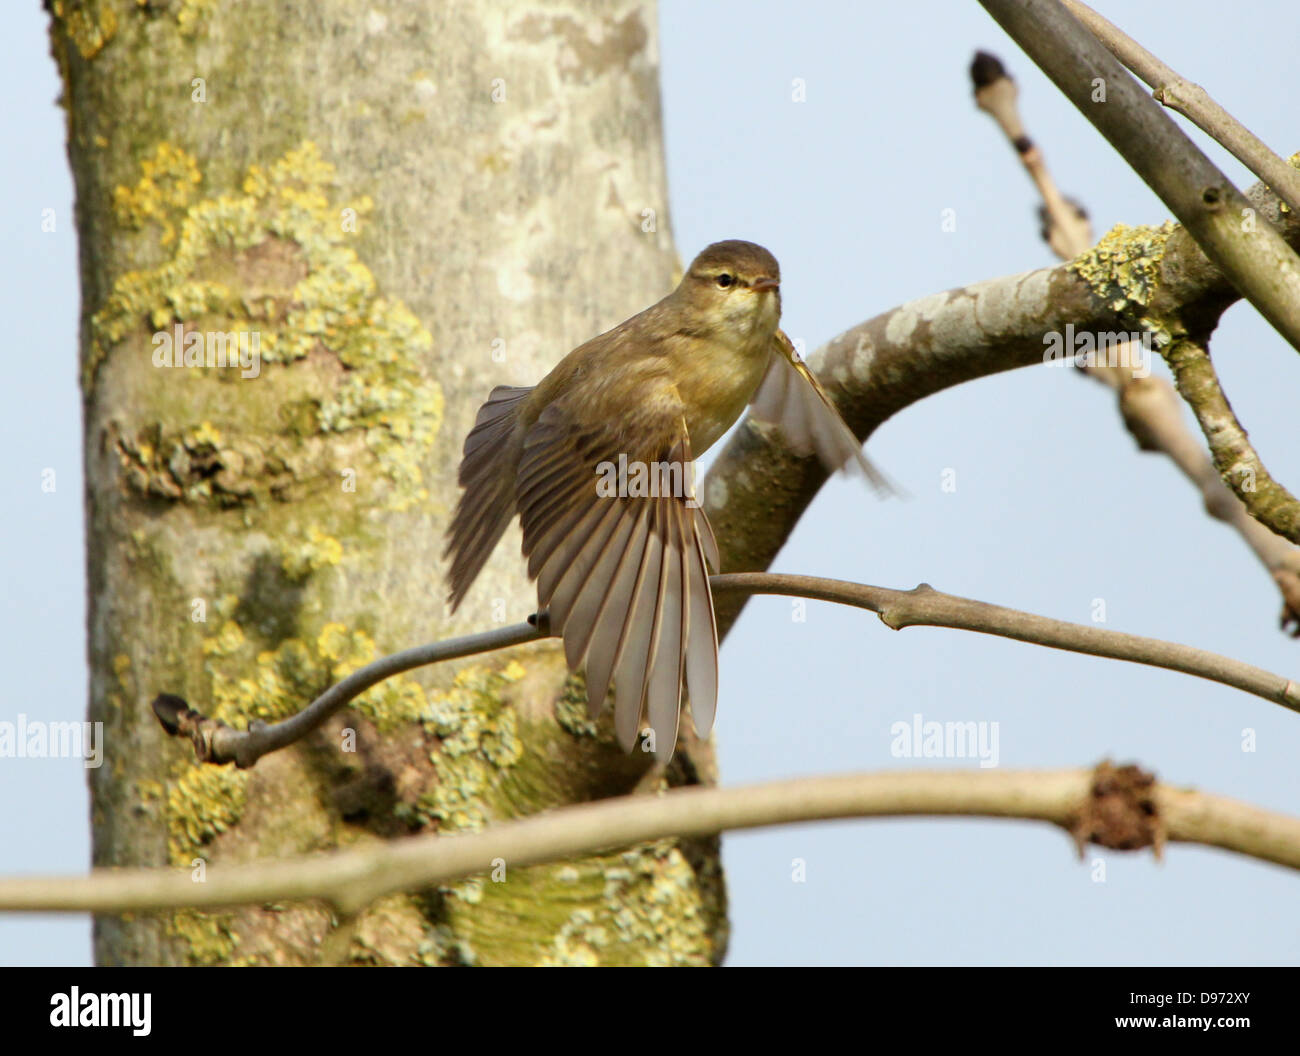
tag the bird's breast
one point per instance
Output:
(716, 382)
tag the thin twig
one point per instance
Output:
(1194, 103)
(1083, 802)
(1066, 227)
(924, 606)
(215, 742)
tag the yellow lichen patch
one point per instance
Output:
(227, 639)
(89, 24)
(208, 938)
(345, 650)
(571, 709)
(1124, 267)
(226, 605)
(206, 433)
(578, 943)
(646, 905)
(295, 669)
(190, 15)
(149, 791)
(315, 552)
(204, 802)
(187, 464)
(269, 266)
(392, 703)
(655, 901)
(282, 681)
(389, 704)
(121, 666)
(168, 182)
(480, 737)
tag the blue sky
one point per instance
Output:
(1054, 508)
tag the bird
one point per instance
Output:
(596, 461)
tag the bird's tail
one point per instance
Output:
(487, 473)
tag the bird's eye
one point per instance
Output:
(724, 280)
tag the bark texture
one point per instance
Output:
(402, 204)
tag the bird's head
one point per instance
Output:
(734, 288)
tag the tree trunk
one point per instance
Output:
(396, 206)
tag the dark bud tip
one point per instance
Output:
(985, 69)
(170, 708)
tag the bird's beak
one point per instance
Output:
(759, 285)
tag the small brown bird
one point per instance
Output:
(596, 460)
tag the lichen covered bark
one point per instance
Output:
(1128, 267)
(397, 206)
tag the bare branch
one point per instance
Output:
(1120, 807)
(1154, 416)
(924, 606)
(1148, 405)
(1268, 501)
(1257, 260)
(1194, 103)
(757, 490)
(215, 742)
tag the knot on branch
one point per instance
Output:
(1120, 811)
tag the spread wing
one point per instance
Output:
(487, 473)
(792, 398)
(621, 556)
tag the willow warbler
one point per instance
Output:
(596, 461)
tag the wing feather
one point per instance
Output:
(580, 598)
(570, 568)
(701, 640)
(487, 473)
(635, 643)
(672, 625)
(791, 397)
(704, 532)
(602, 653)
(624, 578)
